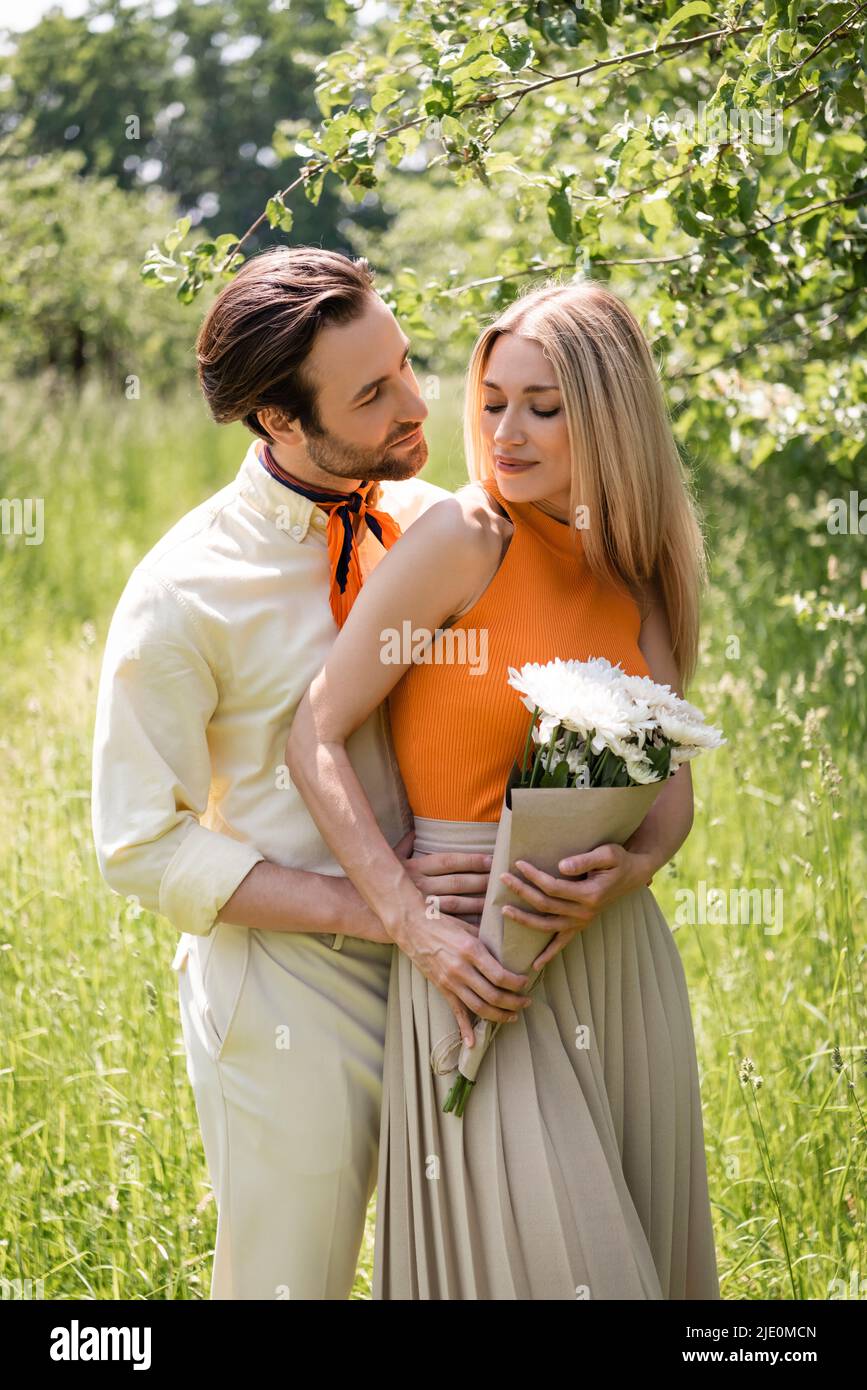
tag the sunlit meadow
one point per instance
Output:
(105, 1192)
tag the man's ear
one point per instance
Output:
(281, 429)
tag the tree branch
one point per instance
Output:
(671, 49)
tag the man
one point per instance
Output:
(282, 967)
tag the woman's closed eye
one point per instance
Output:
(543, 414)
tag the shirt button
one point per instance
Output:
(296, 531)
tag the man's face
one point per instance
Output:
(367, 399)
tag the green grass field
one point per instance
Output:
(105, 1192)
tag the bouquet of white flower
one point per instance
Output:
(604, 743)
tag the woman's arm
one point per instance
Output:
(425, 578)
(614, 870)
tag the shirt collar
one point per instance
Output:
(289, 511)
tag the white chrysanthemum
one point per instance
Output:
(660, 698)
(622, 712)
(599, 668)
(538, 685)
(632, 747)
(544, 728)
(689, 731)
(682, 752)
(640, 770)
(601, 710)
(550, 687)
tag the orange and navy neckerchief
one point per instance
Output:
(346, 577)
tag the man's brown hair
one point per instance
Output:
(255, 337)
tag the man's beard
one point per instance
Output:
(344, 460)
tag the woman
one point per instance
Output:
(578, 1169)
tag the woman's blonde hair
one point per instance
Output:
(626, 469)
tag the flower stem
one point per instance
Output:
(527, 743)
(458, 1095)
(551, 742)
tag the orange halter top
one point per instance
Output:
(457, 724)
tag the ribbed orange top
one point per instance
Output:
(459, 727)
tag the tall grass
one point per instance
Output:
(105, 1190)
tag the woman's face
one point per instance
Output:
(523, 422)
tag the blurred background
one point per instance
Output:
(116, 119)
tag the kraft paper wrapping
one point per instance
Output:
(543, 825)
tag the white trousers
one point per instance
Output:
(284, 1038)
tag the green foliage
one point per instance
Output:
(186, 96)
(69, 297)
(710, 164)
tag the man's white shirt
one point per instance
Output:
(216, 637)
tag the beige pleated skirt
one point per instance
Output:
(578, 1169)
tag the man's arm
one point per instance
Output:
(272, 898)
(151, 781)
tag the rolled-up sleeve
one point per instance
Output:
(151, 763)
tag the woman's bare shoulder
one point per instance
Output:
(460, 541)
(469, 515)
(482, 512)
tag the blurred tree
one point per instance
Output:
(185, 96)
(70, 303)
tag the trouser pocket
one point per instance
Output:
(217, 969)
